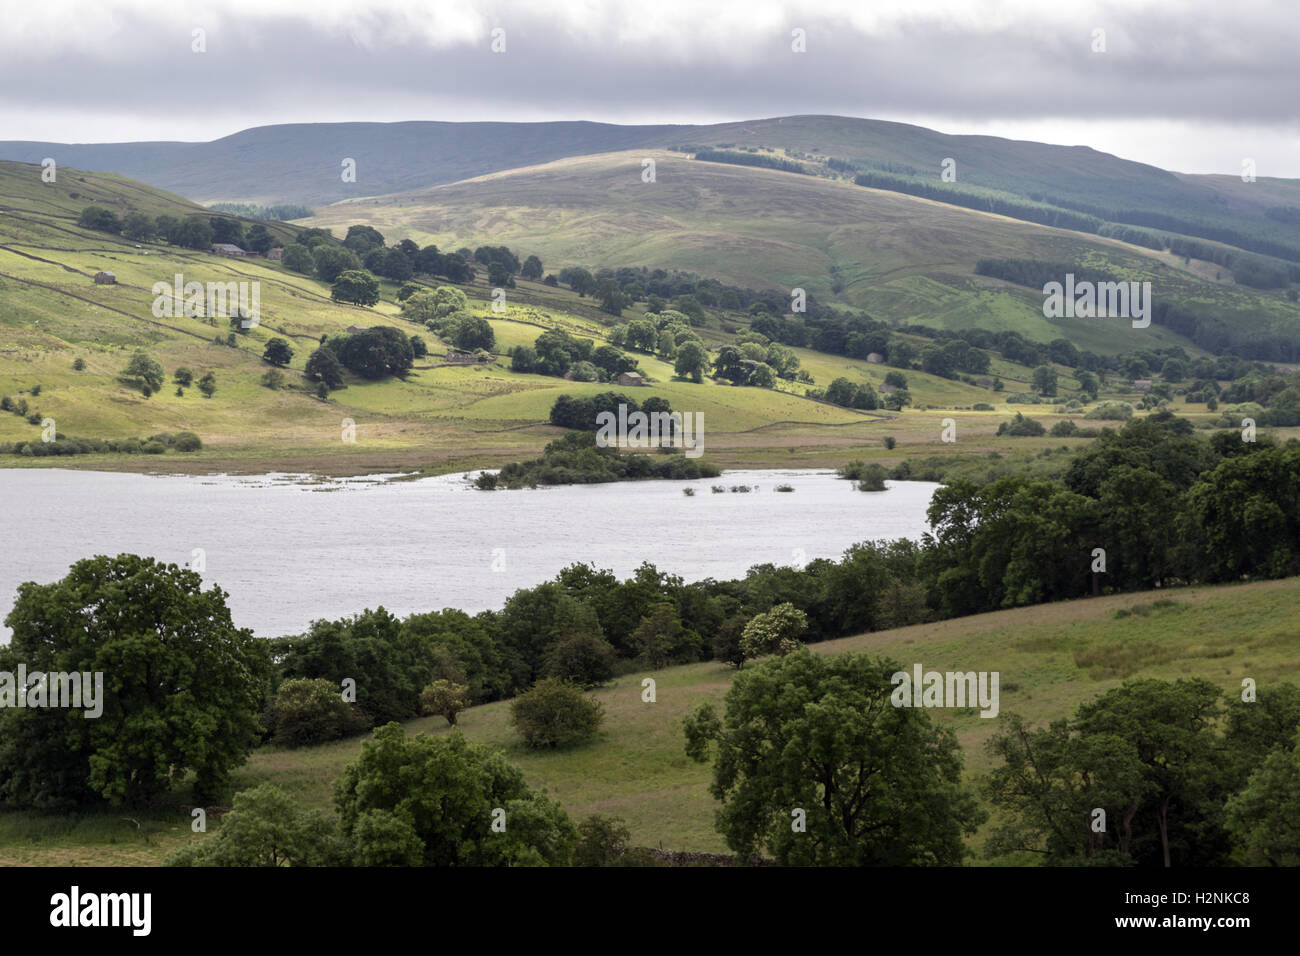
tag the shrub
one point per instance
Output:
(153, 448)
(601, 841)
(308, 711)
(267, 827)
(188, 441)
(581, 658)
(555, 714)
(1022, 427)
(1111, 411)
(871, 478)
(776, 632)
(444, 698)
(727, 646)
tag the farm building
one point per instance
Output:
(227, 249)
(1142, 384)
(354, 329)
(875, 358)
(105, 278)
(630, 379)
(276, 253)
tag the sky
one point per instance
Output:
(1191, 86)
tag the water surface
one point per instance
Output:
(290, 548)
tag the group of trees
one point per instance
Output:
(556, 352)
(1183, 778)
(445, 312)
(406, 801)
(373, 353)
(580, 413)
(191, 232)
(1217, 334)
(577, 459)
(144, 372)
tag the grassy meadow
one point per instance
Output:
(1050, 657)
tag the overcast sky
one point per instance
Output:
(1192, 86)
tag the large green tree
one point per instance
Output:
(448, 793)
(182, 686)
(356, 286)
(877, 784)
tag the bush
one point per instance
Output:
(555, 714)
(188, 441)
(310, 711)
(582, 658)
(727, 646)
(776, 632)
(890, 442)
(267, 827)
(444, 698)
(1022, 427)
(601, 841)
(1111, 411)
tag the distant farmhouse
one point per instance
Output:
(276, 253)
(105, 278)
(354, 329)
(875, 358)
(1142, 384)
(227, 249)
(630, 379)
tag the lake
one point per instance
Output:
(292, 548)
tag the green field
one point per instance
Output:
(442, 418)
(1050, 657)
(903, 259)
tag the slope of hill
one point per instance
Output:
(301, 163)
(1051, 658)
(903, 259)
(443, 418)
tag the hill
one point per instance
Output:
(1051, 658)
(442, 418)
(903, 259)
(301, 163)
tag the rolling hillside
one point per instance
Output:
(301, 163)
(901, 258)
(1051, 658)
(443, 418)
